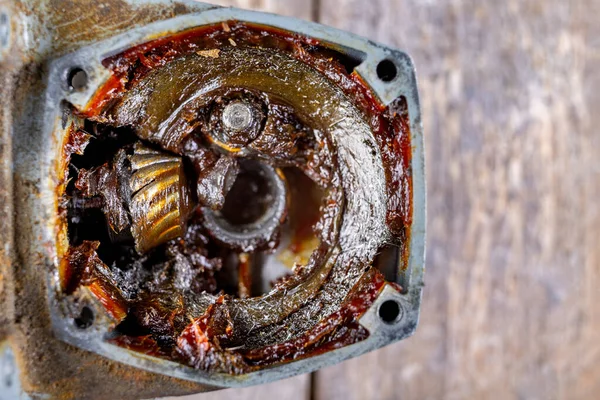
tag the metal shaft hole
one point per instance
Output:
(249, 199)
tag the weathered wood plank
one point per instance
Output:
(290, 8)
(294, 389)
(510, 92)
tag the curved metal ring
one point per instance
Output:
(261, 232)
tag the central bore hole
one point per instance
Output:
(250, 197)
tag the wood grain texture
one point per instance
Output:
(291, 8)
(510, 94)
(297, 388)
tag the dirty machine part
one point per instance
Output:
(200, 198)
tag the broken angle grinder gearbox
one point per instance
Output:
(197, 197)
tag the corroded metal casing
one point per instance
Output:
(49, 335)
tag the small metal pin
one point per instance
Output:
(237, 116)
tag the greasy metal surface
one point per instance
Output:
(160, 198)
(34, 138)
(249, 236)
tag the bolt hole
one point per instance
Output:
(77, 79)
(387, 71)
(389, 311)
(85, 318)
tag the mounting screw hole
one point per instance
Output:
(85, 318)
(389, 311)
(387, 71)
(77, 79)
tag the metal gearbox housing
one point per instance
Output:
(62, 350)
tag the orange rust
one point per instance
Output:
(102, 97)
(113, 306)
(74, 142)
(245, 275)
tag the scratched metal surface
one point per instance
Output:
(509, 92)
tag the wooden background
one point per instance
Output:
(510, 92)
